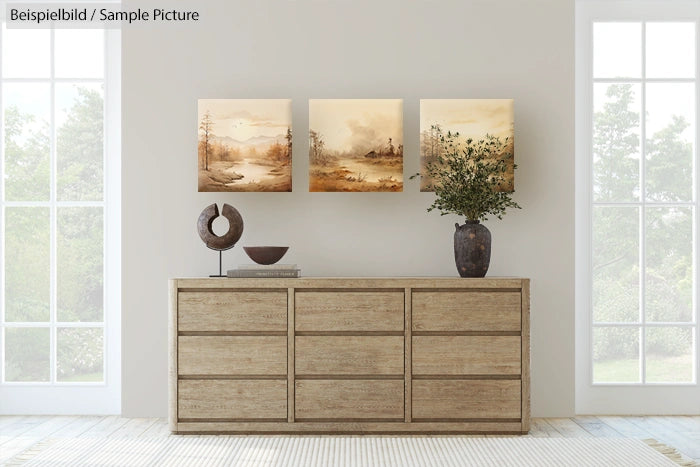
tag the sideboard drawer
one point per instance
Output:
(349, 399)
(232, 311)
(347, 355)
(232, 355)
(349, 311)
(232, 399)
(466, 355)
(466, 399)
(466, 311)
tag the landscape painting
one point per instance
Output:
(472, 119)
(355, 145)
(245, 144)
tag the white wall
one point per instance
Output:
(347, 49)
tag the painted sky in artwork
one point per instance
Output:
(346, 124)
(242, 119)
(472, 118)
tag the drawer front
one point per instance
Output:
(347, 355)
(466, 355)
(466, 311)
(455, 399)
(348, 311)
(232, 311)
(232, 399)
(349, 399)
(232, 355)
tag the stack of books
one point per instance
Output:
(265, 270)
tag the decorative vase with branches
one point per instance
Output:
(469, 178)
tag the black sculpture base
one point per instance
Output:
(220, 270)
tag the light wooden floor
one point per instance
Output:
(17, 433)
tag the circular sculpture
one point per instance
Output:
(229, 239)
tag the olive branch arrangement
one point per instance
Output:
(466, 177)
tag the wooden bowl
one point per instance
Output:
(265, 254)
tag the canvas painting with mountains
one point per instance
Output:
(245, 144)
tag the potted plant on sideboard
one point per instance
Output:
(468, 178)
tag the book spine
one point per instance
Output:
(267, 267)
(263, 273)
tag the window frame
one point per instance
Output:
(639, 397)
(76, 397)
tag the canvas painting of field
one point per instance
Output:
(245, 144)
(355, 145)
(472, 119)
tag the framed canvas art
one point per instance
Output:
(473, 119)
(244, 145)
(355, 145)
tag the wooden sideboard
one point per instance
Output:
(350, 355)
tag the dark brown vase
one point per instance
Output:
(472, 249)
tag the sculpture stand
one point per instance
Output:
(220, 270)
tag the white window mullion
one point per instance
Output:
(2, 215)
(642, 213)
(53, 217)
(696, 231)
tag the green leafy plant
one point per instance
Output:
(466, 177)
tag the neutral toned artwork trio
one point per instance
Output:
(355, 145)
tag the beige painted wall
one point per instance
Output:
(340, 49)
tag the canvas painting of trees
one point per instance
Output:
(245, 144)
(355, 145)
(474, 119)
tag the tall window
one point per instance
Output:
(60, 220)
(637, 164)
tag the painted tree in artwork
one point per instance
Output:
(205, 126)
(316, 149)
(288, 137)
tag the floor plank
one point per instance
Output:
(623, 426)
(597, 428)
(48, 427)
(22, 424)
(105, 427)
(133, 428)
(568, 428)
(159, 429)
(79, 426)
(542, 429)
(668, 435)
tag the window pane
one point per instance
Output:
(670, 135)
(670, 50)
(79, 145)
(669, 355)
(79, 264)
(27, 354)
(79, 354)
(615, 355)
(616, 147)
(79, 53)
(27, 261)
(669, 265)
(617, 50)
(27, 144)
(615, 264)
(26, 53)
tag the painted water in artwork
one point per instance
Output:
(355, 145)
(472, 119)
(245, 144)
